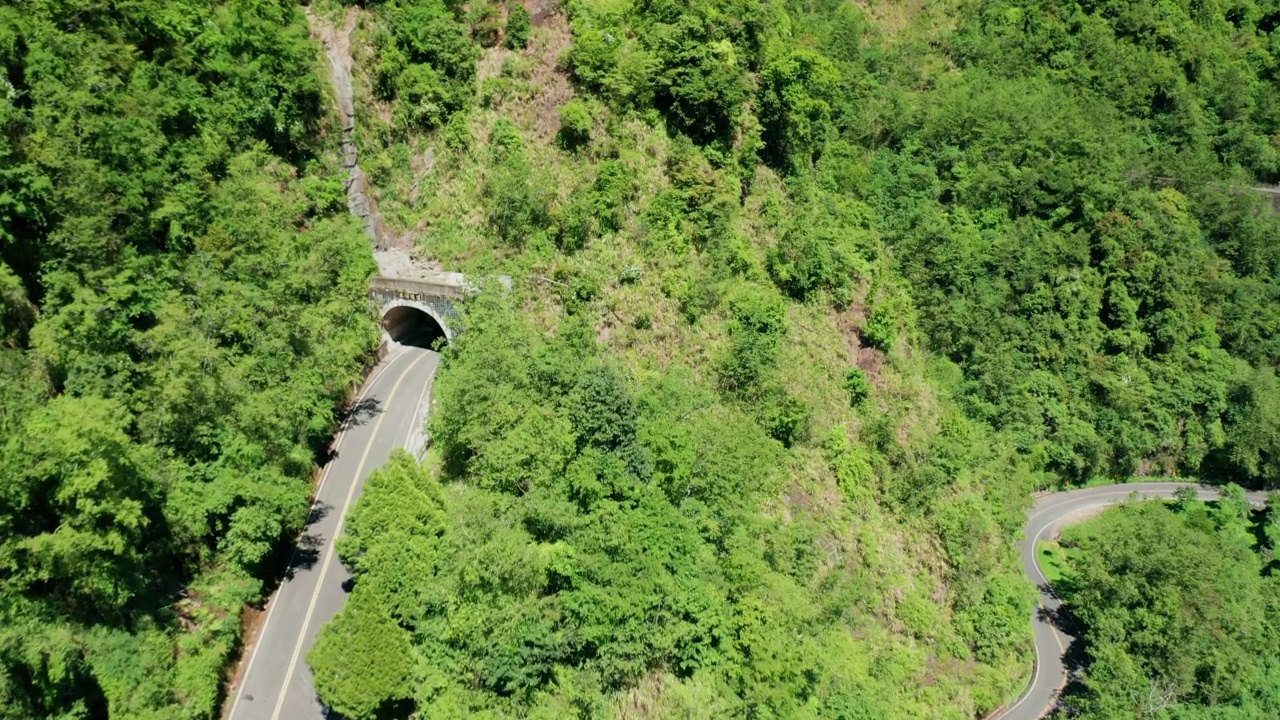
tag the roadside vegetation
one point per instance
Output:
(1180, 609)
(182, 310)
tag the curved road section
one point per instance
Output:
(1050, 514)
(277, 681)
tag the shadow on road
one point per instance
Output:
(360, 413)
(389, 710)
(307, 551)
(1074, 659)
(356, 415)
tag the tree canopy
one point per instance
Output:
(807, 298)
(181, 313)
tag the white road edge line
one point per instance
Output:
(426, 386)
(329, 552)
(324, 475)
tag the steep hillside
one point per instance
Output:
(808, 299)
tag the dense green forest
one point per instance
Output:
(808, 297)
(1181, 609)
(183, 308)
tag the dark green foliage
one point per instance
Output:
(1085, 300)
(797, 91)
(689, 62)
(181, 312)
(1253, 426)
(857, 385)
(519, 205)
(519, 26)
(551, 569)
(701, 81)
(80, 509)
(822, 250)
(596, 208)
(427, 60)
(757, 329)
(784, 416)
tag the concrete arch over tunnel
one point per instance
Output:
(416, 324)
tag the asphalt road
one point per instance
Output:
(276, 684)
(1050, 514)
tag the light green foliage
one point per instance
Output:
(363, 661)
(1177, 611)
(758, 326)
(575, 124)
(79, 500)
(823, 250)
(1025, 221)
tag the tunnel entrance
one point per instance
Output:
(411, 326)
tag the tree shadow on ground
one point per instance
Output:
(307, 551)
(359, 413)
(1074, 659)
(389, 710)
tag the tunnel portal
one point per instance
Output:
(409, 325)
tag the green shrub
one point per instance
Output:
(755, 334)
(576, 224)
(518, 206)
(575, 125)
(519, 26)
(857, 385)
(880, 330)
(424, 98)
(484, 23)
(784, 416)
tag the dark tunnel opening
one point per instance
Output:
(411, 326)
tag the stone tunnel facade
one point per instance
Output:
(435, 296)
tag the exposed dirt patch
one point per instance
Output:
(870, 360)
(540, 10)
(893, 16)
(546, 84)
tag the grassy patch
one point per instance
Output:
(1054, 560)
